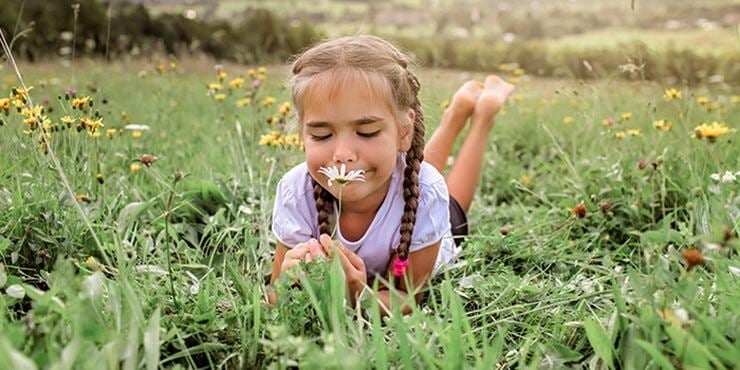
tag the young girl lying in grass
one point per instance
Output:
(358, 110)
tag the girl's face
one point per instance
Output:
(353, 125)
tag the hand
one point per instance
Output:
(352, 264)
(306, 251)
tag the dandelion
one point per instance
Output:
(341, 176)
(692, 257)
(663, 125)
(671, 94)
(568, 120)
(626, 116)
(711, 131)
(634, 132)
(702, 100)
(135, 167)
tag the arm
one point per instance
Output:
(287, 258)
(276, 270)
(421, 265)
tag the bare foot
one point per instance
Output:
(491, 99)
(464, 99)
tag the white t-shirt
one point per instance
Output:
(295, 219)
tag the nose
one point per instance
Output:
(344, 152)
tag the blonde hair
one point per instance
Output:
(386, 68)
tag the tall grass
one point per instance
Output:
(536, 286)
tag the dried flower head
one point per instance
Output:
(579, 211)
(692, 257)
(147, 159)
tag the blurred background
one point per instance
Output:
(678, 40)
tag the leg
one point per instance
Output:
(462, 181)
(453, 120)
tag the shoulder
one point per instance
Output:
(296, 183)
(432, 184)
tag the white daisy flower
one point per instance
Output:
(136, 127)
(341, 175)
(728, 176)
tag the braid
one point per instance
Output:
(414, 157)
(324, 206)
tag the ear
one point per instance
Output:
(406, 132)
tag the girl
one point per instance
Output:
(358, 106)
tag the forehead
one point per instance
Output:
(345, 94)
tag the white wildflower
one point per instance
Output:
(728, 176)
(135, 127)
(341, 175)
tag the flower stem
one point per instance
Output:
(339, 213)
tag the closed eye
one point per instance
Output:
(368, 135)
(320, 137)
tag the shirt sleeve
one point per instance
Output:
(432, 216)
(291, 217)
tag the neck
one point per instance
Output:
(368, 205)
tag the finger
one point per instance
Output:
(298, 251)
(354, 259)
(316, 250)
(326, 243)
(347, 266)
(289, 264)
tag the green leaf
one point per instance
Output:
(599, 341)
(129, 213)
(151, 342)
(655, 353)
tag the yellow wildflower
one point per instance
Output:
(626, 116)
(266, 102)
(81, 103)
(20, 93)
(526, 181)
(671, 94)
(261, 70)
(219, 97)
(251, 73)
(160, 68)
(568, 120)
(619, 135)
(712, 106)
(271, 139)
(634, 132)
(91, 124)
(93, 264)
(110, 133)
(444, 103)
(284, 108)
(702, 100)
(292, 141)
(711, 131)
(236, 83)
(82, 198)
(513, 80)
(663, 125)
(243, 102)
(5, 105)
(518, 72)
(215, 86)
(173, 65)
(135, 167)
(221, 75)
(67, 120)
(136, 134)
(735, 99)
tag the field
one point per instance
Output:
(604, 234)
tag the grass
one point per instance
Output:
(536, 286)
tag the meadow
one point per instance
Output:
(136, 232)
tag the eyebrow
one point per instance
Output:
(365, 120)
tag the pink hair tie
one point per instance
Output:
(399, 267)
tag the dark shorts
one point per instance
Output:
(459, 221)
